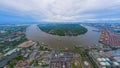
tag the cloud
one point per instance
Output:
(64, 10)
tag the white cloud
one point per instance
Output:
(63, 10)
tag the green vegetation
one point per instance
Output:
(45, 65)
(63, 29)
(11, 29)
(43, 48)
(14, 61)
(12, 44)
(81, 51)
(36, 63)
(2, 47)
(17, 42)
(73, 65)
(31, 62)
(85, 56)
(11, 36)
(92, 62)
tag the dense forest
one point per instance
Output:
(63, 29)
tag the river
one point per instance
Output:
(53, 41)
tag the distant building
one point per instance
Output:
(1, 39)
(14, 38)
(2, 31)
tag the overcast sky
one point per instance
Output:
(59, 10)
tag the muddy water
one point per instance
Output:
(89, 39)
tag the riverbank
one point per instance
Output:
(56, 42)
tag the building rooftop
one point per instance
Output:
(105, 63)
(117, 58)
(115, 63)
(103, 59)
(102, 63)
(11, 51)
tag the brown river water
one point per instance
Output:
(90, 38)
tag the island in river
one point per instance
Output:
(63, 29)
(90, 38)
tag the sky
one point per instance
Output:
(59, 10)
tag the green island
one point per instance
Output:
(63, 29)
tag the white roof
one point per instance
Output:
(99, 59)
(115, 63)
(86, 63)
(117, 59)
(102, 63)
(103, 59)
(107, 59)
(105, 63)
